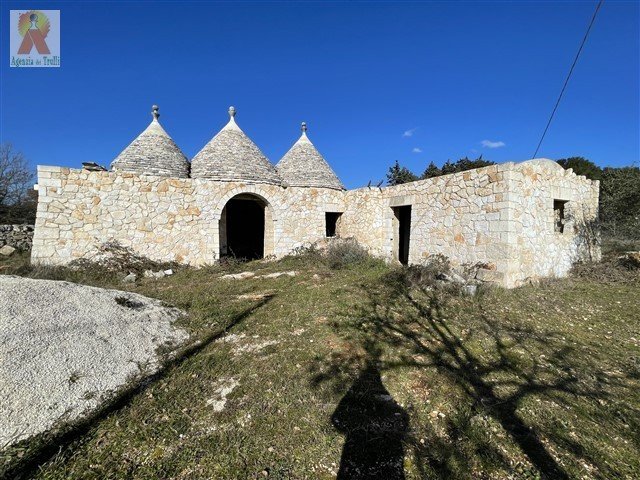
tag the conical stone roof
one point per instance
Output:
(303, 166)
(231, 156)
(153, 152)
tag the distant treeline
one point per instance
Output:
(398, 174)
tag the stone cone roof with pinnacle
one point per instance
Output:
(303, 166)
(153, 152)
(231, 156)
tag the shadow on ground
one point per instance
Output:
(408, 329)
(374, 426)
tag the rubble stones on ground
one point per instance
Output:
(131, 278)
(254, 296)
(19, 237)
(631, 259)
(238, 276)
(470, 289)
(279, 274)
(232, 338)
(7, 250)
(158, 274)
(245, 275)
(452, 277)
(253, 347)
(243, 344)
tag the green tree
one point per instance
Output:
(467, 164)
(464, 164)
(582, 166)
(620, 202)
(619, 196)
(431, 171)
(448, 167)
(398, 175)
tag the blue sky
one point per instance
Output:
(376, 82)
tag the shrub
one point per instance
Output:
(306, 251)
(342, 253)
(622, 268)
(434, 275)
(436, 268)
(619, 245)
(229, 262)
(113, 257)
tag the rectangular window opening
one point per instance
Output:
(559, 215)
(331, 223)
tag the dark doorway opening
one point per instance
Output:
(331, 222)
(244, 229)
(559, 215)
(403, 232)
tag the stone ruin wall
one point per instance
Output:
(165, 219)
(16, 236)
(501, 216)
(540, 250)
(462, 216)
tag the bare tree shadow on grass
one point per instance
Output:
(407, 328)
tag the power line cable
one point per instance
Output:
(584, 40)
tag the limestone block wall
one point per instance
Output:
(501, 216)
(175, 219)
(542, 251)
(463, 216)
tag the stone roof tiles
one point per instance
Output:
(232, 156)
(153, 152)
(304, 166)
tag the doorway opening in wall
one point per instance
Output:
(402, 232)
(242, 227)
(331, 223)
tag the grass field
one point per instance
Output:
(365, 369)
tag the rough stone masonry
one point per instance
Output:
(521, 221)
(16, 236)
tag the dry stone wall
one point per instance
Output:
(541, 249)
(463, 216)
(167, 219)
(501, 216)
(16, 236)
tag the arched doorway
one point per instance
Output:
(246, 227)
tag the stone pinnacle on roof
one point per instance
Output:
(304, 166)
(153, 152)
(231, 156)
